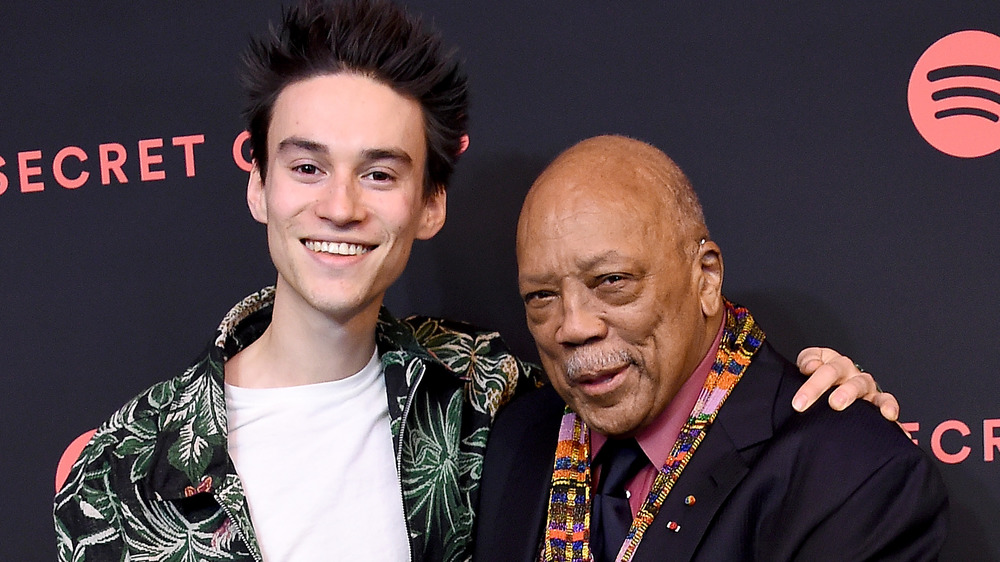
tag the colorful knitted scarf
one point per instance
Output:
(567, 529)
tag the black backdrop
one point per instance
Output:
(840, 224)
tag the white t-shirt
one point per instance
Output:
(318, 468)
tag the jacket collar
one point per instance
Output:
(191, 454)
(744, 424)
(401, 336)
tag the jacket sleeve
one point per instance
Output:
(86, 518)
(491, 372)
(899, 513)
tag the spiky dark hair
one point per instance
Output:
(372, 38)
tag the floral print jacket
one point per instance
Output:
(156, 481)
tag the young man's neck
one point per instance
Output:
(304, 346)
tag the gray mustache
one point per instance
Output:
(587, 361)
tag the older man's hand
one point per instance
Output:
(827, 368)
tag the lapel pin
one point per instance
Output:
(689, 500)
(673, 526)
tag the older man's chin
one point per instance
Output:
(613, 421)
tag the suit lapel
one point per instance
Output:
(714, 470)
(527, 478)
(536, 471)
(719, 464)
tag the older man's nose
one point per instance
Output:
(581, 320)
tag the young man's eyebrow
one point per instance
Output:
(397, 154)
(302, 144)
(368, 154)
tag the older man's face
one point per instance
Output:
(613, 306)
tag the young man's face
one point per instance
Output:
(343, 199)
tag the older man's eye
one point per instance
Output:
(612, 279)
(537, 297)
(618, 288)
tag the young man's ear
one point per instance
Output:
(255, 195)
(434, 212)
(709, 270)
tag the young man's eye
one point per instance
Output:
(307, 169)
(379, 176)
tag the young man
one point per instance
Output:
(316, 426)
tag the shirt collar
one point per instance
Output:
(657, 439)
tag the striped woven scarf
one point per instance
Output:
(567, 528)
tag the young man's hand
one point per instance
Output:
(827, 368)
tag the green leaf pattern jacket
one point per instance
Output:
(156, 482)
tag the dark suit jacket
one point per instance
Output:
(769, 484)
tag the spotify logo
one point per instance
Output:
(954, 94)
(69, 456)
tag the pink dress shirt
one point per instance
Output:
(658, 438)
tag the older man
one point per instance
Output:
(668, 431)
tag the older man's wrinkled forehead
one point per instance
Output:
(615, 174)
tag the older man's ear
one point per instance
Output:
(709, 271)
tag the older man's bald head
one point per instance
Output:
(626, 170)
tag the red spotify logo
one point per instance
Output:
(954, 94)
(69, 457)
